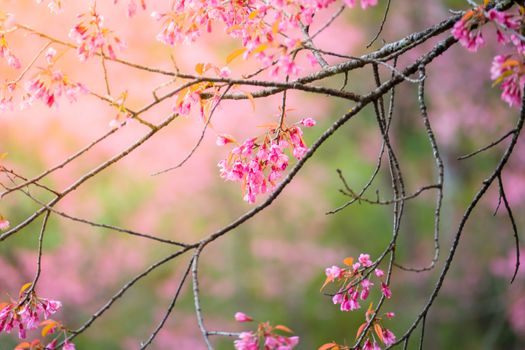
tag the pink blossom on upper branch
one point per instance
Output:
(506, 70)
(92, 37)
(257, 24)
(464, 30)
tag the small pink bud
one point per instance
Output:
(4, 224)
(242, 317)
(224, 139)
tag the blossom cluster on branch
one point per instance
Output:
(507, 70)
(273, 34)
(30, 312)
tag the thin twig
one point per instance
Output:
(514, 226)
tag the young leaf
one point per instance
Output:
(283, 328)
(328, 346)
(328, 280)
(379, 331)
(235, 54)
(49, 328)
(24, 288)
(199, 68)
(349, 261)
(360, 330)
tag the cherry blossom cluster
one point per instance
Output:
(354, 286)
(257, 24)
(266, 336)
(258, 163)
(507, 70)
(47, 85)
(92, 37)
(6, 21)
(31, 312)
(8, 55)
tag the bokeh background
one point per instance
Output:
(271, 267)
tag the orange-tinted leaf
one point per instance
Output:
(235, 54)
(328, 280)
(259, 48)
(369, 311)
(199, 68)
(360, 330)
(181, 96)
(232, 28)
(25, 287)
(48, 328)
(327, 346)
(510, 63)
(283, 328)
(379, 331)
(468, 15)
(24, 345)
(253, 14)
(275, 27)
(349, 261)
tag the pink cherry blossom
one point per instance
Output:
(246, 341)
(68, 345)
(386, 291)
(50, 55)
(369, 345)
(469, 38)
(5, 52)
(308, 122)
(49, 86)
(364, 259)
(334, 272)
(4, 224)
(509, 73)
(388, 337)
(368, 3)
